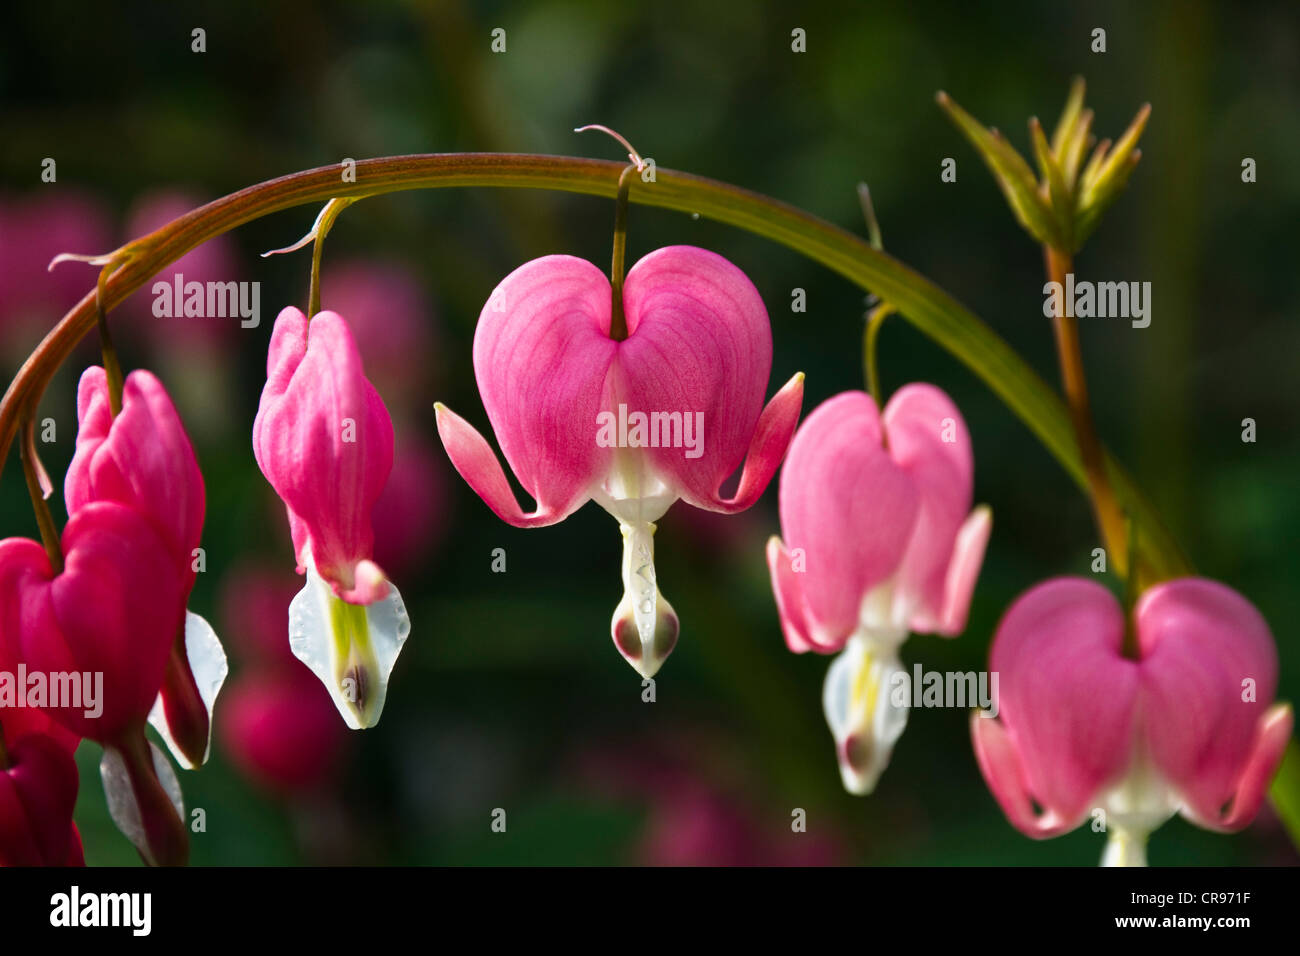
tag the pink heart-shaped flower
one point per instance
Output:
(38, 791)
(699, 344)
(110, 612)
(1185, 726)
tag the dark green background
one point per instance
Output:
(509, 691)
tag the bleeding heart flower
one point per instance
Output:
(109, 616)
(669, 412)
(110, 611)
(324, 440)
(38, 780)
(1182, 723)
(38, 791)
(879, 541)
(143, 459)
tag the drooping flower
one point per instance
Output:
(38, 777)
(1184, 722)
(668, 413)
(879, 541)
(143, 459)
(38, 791)
(324, 440)
(108, 618)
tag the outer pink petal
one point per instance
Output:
(771, 440)
(142, 459)
(478, 465)
(848, 506)
(541, 356)
(324, 440)
(1003, 771)
(22, 559)
(788, 588)
(1066, 695)
(963, 570)
(1271, 739)
(700, 341)
(1202, 645)
(917, 420)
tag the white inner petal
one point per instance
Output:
(122, 805)
(351, 648)
(209, 666)
(866, 699)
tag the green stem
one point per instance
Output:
(44, 520)
(875, 319)
(925, 305)
(112, 367)
(617, 320)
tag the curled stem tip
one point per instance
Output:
(869, 214)
(325, 220)
(632, 154)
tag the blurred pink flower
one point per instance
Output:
(214, 261)
(281, 730)
(392, 321)
(35, 228)
(1185, 726)
(695, 820)
(409, 516)
(277, 724)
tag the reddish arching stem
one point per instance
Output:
(926, 306)
(1105, 506)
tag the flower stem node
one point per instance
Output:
(645, 626)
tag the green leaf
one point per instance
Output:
(1009, 169)
(1059, 193)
